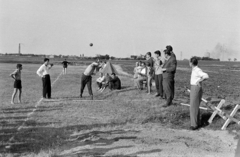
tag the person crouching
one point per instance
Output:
(115, 82)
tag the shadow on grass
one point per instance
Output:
(34, 139)
(17, 117)
(30, 109)
(99, 152)
(26, 123)
(112, 94)
(146, 152)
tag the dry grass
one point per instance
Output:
(49, 129)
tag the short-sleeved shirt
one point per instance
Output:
(17, 74)
(43, 70)
(90, 69)
(197, 74)
(158, 62)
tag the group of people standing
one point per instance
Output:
(162, 69)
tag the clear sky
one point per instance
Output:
(121, 27)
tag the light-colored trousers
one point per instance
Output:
(139, 82)
(195, 100)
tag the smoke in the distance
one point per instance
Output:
(223, 52)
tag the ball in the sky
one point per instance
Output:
(91, 44)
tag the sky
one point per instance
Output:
(121, 28)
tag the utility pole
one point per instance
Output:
(19, 49)
(181, 55)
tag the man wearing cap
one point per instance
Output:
(169, 70)
(86, 78)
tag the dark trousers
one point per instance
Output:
(86, 80)
(159, 84)
(99, 85)
(195, 100)
(168, 88)
(114, 85)
(46, 86)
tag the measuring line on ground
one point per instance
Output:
(31, 113)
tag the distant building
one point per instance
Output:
(141, 57)
(133, 57)
(50, 56)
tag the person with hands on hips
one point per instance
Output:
(43, 72)
(197, 77)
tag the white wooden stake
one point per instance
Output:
(203, 108)
(217, 109)
(231, 118)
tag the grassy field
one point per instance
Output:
(55, 124)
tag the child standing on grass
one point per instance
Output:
(16, 75)
(149, 77)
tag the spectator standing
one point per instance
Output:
(43, 72)
(197, 77)
(169, 70)
(158, 63)
(150, 74)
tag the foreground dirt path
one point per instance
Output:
(115, 126)
(152, 140)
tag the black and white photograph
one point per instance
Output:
(119, 78)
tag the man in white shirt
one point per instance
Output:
(197, 77)
(43, 72)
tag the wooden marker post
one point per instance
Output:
(230, 118)
(218, 111)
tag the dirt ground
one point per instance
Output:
(122, 123)
(152, 141)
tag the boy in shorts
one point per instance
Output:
(16, 75)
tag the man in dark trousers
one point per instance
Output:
(158, 62)
(65, 65)
(169, 70)
(114, 82)
(43, 72)
(86, 78)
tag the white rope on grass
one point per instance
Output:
(100, 100)
(31, 113)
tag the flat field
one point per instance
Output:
(118, 123)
